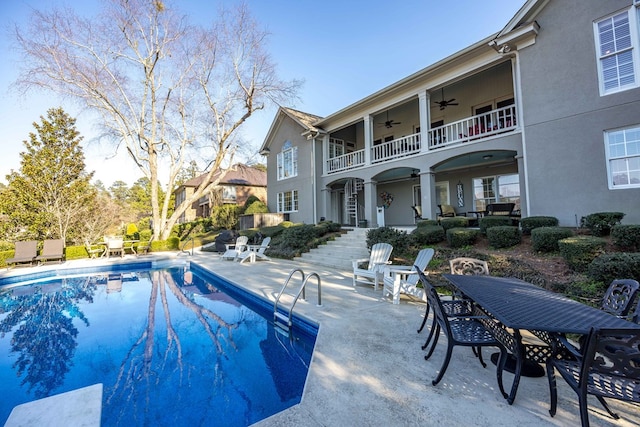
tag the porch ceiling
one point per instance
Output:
(480, 158)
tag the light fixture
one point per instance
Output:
(487, 156)
(414, 174)
(505, 48)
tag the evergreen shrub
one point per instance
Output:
(626, 236)
(618, 265)
(504, 236)
(493, 221)
(545, 239)
(460, 237)
(600, 223)
(454, 222)
(428, 235)
(579, 251)
(529, 223)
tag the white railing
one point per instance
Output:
(400, 147)
(345, 161)
(474, 127)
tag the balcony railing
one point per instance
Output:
(400, 147)
(346, 161)
(474, 127)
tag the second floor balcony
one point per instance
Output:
(473, 128)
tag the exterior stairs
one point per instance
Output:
(340, 252)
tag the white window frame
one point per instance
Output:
(627, 142)
(632, 50)
(495, 189)
(282, 199)
(287, 161)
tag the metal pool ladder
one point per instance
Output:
(280, 317)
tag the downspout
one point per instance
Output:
(521, 115)
(313, 181)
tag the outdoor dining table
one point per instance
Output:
(518, 305)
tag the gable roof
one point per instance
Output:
(238, 174)
(305, 120)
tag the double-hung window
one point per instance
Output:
(623, 157)
(617, 51)
(287, 161)
(288, 201)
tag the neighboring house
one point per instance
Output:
(235, 187)
(544, 114)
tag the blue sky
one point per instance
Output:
(343, 50)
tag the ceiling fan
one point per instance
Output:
(389, 123)
(444, 103)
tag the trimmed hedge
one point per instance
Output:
(529, 223)
(428, 235)
(600, 223)
(396, 238)
(454, 222)
(619, 265)
(460, 237)
(626, 236)
(545, 239)
(426, 223)
(493, 221)
(579, 251)
(504, 236)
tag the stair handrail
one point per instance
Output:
(193, 244)
(304, 286)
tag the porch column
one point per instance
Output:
(522, 178)
(428, 190)
(325, 153)
(370, 198)
(425, 121)
(368, 138)
(324, 201)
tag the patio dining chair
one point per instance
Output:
(367, 270)
(115, 246)
(461, 331)
(608, 367)
(404, 280)
(619, 297)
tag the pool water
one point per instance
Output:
(171, 346)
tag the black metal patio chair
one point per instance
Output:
(461, 331)
(619, 297)
(608, 367)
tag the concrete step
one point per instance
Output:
(340, 252)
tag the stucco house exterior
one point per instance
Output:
(545, 114)
(236, 185)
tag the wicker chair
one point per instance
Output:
(609, 367)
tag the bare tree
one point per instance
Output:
(165, 90)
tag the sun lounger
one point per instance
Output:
(26, 252)
(52, 250)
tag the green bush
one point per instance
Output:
(529, 223)
(75, 252)
(426, 223)
(545, 239)
(626, 236)
(290, 242)
(396, 238)
(601, 223)
(493, 221)
(454, 222)
(250, 200)
(504, 236)
(427, 235)
(579, 251)
(225, 216)
(171, 244)
(619, 265)
(460, 237)
(256, 207)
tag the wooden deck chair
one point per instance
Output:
(380, 254)
(404, 280)
(235, 249)
(52, 250)
(25, 253)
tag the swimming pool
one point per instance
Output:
(172, 345)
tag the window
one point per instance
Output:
(288, 201)
(623, 157)
(336, 147)
(442, 193)
(616, 43)
(493, 189)
(287, 161)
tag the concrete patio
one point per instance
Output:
(368, 368)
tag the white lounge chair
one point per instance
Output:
(380, 253)
(255, 252)
(404, 280)
(235, 249)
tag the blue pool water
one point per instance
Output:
(172, 346)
